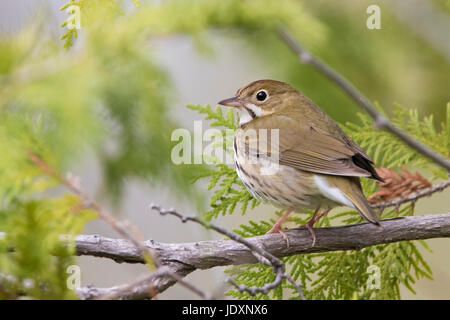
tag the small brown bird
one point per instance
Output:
(312, 162)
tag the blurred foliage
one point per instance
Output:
(105, 95)
(442, 4)
(344, 274)
(101, 90)
(38, 266)
(389, 65)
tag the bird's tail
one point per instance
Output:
(364, 209)
(351, 187)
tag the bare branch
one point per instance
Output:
(262, 255)
(257, 249)
(144, 288)
(380, 121)
(413, 197)
(183, 258)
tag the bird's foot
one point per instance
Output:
(277, 229)
(309, 226)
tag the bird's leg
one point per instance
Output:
(277, 226)
(313, 220)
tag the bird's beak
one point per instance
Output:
(231, 102)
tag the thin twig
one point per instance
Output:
(380, 121)
(134, 290)
(264, 289)
(260, 254)
(412, 197)
(208, 225)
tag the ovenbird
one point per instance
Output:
(317, 163)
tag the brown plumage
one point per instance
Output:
(318, 163)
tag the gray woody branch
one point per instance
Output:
(183, 258)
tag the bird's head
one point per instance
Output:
(260, 98)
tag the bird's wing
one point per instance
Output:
(307, 147)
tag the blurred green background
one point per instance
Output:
(407, 61)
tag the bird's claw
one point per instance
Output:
(277, 229)
(313, 234)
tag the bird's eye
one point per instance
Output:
(261, 95)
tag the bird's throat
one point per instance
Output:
(249, 112)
